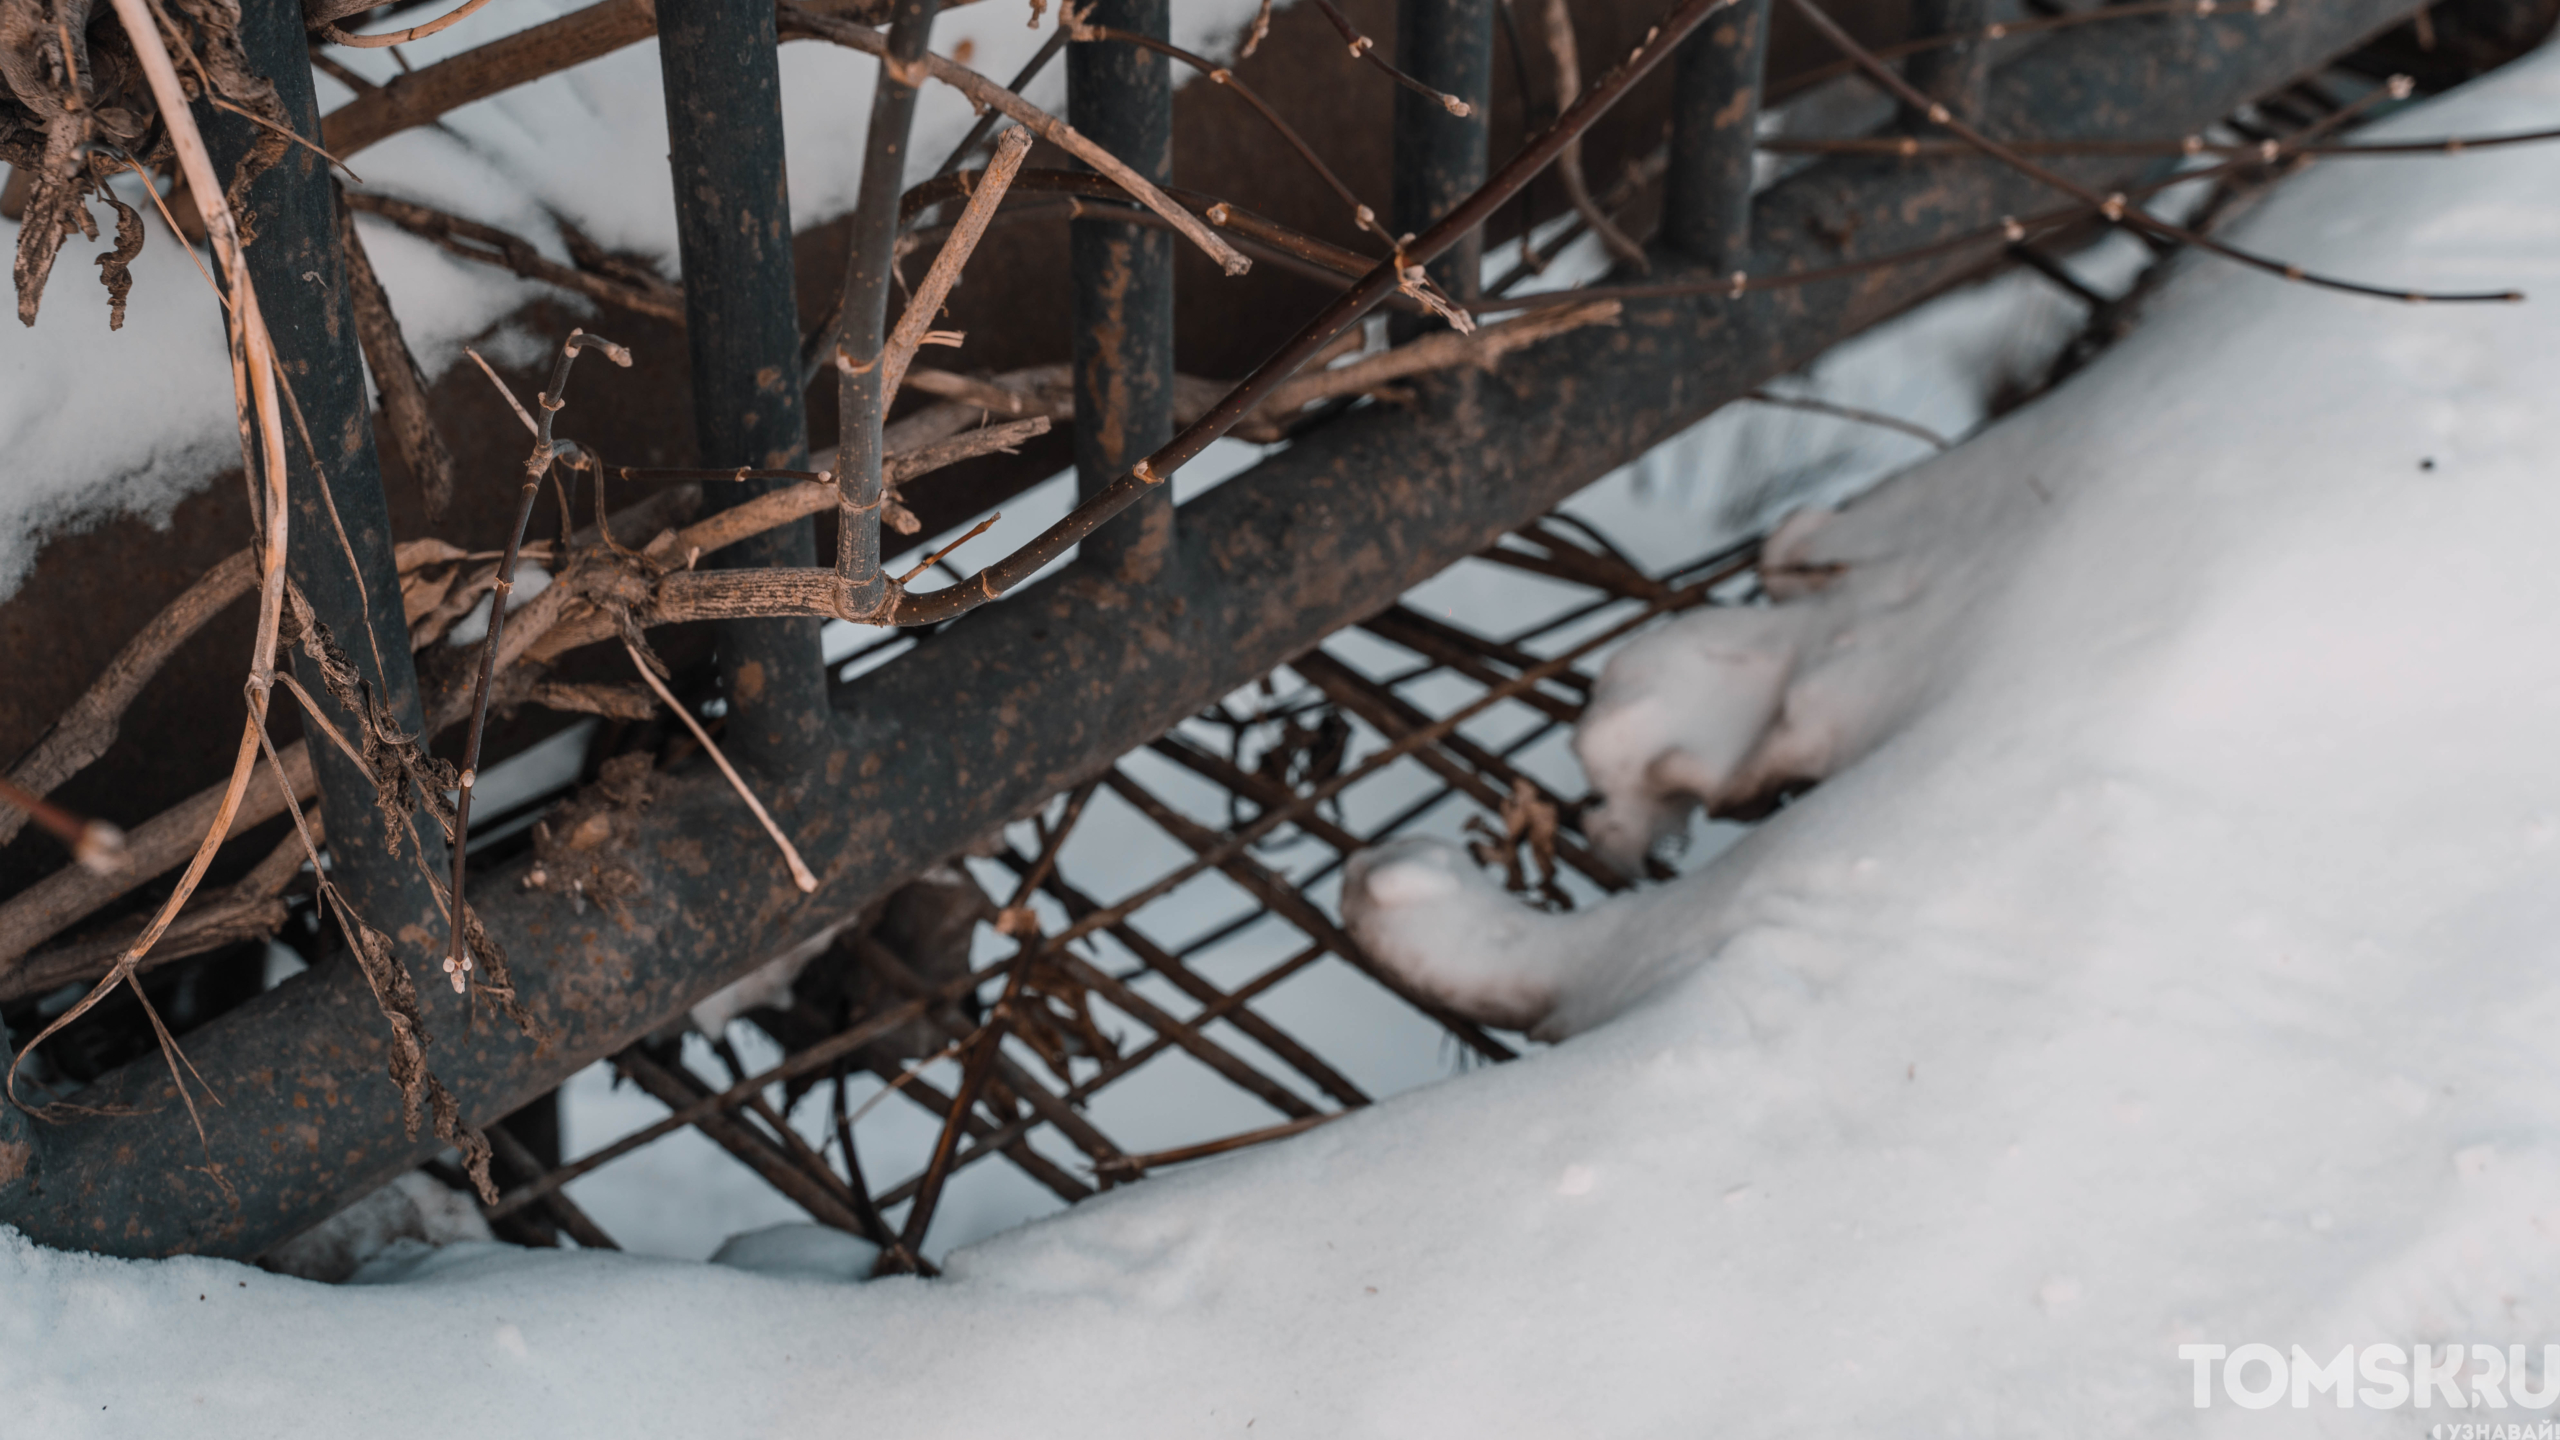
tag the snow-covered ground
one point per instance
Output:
(2172, 958)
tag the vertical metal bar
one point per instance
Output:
(1440, 158)
(742, 331)
(1121, 97)
(1955, 75)
(1715, 121)
(339, 550)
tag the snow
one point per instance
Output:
(413, 1212)
(2167, 958)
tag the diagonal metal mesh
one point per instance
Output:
(1154, 970)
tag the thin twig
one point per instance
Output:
(1814, 406)
(1134, 1165)
(936, 557)
(90, 726)
(1040, 122)
(1805, 80)
(2113, 208)
(504, 391)
(446, 21)
(945, 273)
(1220, 75)
(253, 363)
(1403, 272)
(489, 245)
(992, 117)
(1364, 48)
(1568, 58)
(800, 875)
(862, 402)
(457, 962)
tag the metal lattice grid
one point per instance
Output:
(1188, 989)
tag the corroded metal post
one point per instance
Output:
(1715, 119)
(733, 232)
(1121, 96)
(1952, 74)
(353, 583)
(1440, 157)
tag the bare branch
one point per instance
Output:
(2113, 208)
(972, 227)
(90, 726)
(800, 875)
(446, 21)
(1568, 58)
(490, 245)
(1364, 48)
(798, 21)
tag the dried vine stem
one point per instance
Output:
(799, 21)
(253, 361)
(249, 909)
(457, 962)
(1220, 75)
(820, 592)
(1223, 214)
(800, 875)
(1364, 48)
(2267, 151)
(2113, 208)
(2029, 25)
(592, 600)
(418, 97)
(2012, 230)
(633, 290)
(87, 729)
(917, 321)
(1535, 257)
(250, 340)
(446, 21)
(1438, 350)
(395, 371)
(394, 994)
(988, 119)
(73, 894)
(1315, 335)
(1568, 58)
(862, 304)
